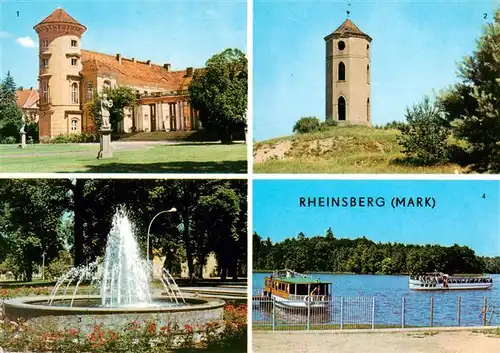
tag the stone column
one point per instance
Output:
(105, 144)
(23, 140)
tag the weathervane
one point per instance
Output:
(348, 7)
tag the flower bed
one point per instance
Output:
(135, 336)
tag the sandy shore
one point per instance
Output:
(371, 342)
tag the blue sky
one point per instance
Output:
(415, 47)
(461, 214)
(183, 33)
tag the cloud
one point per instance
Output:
(26, 42)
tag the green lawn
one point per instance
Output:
(186, 158)
(349, 149)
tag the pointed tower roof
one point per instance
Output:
(59, 16)
(348, 29)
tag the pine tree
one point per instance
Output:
(473, 106)
(10, 113)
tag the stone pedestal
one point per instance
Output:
(23, 140)
(105, 146)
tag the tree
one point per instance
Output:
(307, 124)
(473, 105)
(10, 113)
(122, 97)
(219, 92)
(424, 136)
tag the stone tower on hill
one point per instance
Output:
(348, 75)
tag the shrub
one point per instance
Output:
(424, 136)
(60, 264)
(75, 138)
(9, 140)
(306, 125)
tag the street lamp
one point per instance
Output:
(173, 209)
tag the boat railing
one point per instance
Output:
(311, 298)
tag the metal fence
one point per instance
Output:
(369, 313)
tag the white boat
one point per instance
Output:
(441, 281)
(290, 289)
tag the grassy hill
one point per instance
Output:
(346, 149)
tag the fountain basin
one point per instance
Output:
(35, 310)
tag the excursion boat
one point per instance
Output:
(290, 289)
(441, 281)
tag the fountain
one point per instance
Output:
(119, 290)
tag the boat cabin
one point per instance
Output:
(297, 288)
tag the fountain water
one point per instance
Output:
(124, 277)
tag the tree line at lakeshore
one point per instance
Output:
(69, 220)
(461, 124)
(363, 256)
(218, 92)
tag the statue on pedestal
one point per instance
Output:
(106, 104)
(23, 125)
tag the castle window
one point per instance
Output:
(367, 73)
(341, 45)
(74, 93)
(107, 84)
(74, 125)
(341, 71)
(74, 43)
(45, 91)
(341, 108)
(44, 44)
(368, 109)
(74, 62)
(89, 90)
(45, 63)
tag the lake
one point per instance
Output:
(389, 290)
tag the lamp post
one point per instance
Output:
(173, 209)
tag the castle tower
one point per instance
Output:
(348, 75)
(59, 76)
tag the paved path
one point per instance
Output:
(375, 342)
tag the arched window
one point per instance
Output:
(341, 71)
(45, 91)
(368, 109)
(107, 84)
(74, 93)
(367, 73)
(90, 90)
(74, 125)
(341, 108)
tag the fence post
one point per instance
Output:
(308, 326)
(341, 313)
(274, 313)
(485, 310)
(403, 305)
(373, 313)
(459, 309)
(432, 311)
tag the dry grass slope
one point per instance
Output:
(348, 149)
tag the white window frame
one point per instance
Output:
(74, 93)
(74, 127)
(90, 90)
(45, 91)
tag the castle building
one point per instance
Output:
(69, 76)
(27, 101)
(348, 75)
